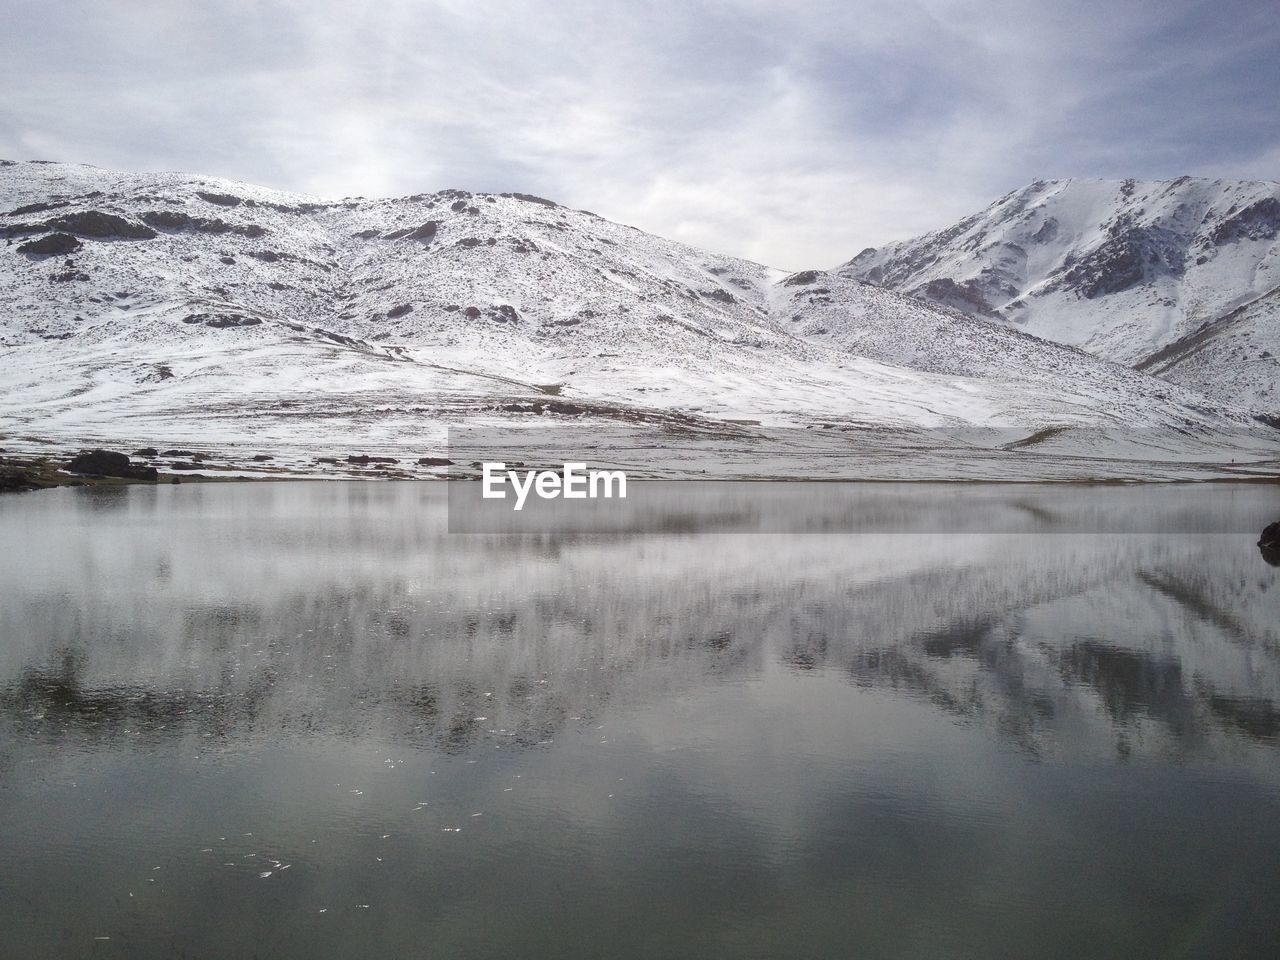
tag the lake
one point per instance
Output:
(304, 720)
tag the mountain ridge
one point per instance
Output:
(177, 308)
(1122, 268)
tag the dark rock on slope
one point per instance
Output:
(53, 245)
(101, 226)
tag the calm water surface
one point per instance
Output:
(304, 720)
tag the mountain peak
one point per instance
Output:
(1121, 268)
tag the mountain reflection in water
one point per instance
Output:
(183, 633)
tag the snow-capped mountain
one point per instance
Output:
(1139, 272)
(173, 310)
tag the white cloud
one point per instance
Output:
(792, 133)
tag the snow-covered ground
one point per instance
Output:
(192, 313)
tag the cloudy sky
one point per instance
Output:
(795, 133)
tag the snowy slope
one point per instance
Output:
(1236, 355)
(177, 311)
(1122, 269)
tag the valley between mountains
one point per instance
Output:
(1074, 330)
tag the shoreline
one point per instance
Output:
(28, 474)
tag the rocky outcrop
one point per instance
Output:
(965, 296)
(101, 226)
(221, 320)
(219, 199)
(426, 232)
(176, 220)
(530, 198)
(1128, 257)
(1269, 544)
(107, 463)
(15, 480)
(53, 245)
(1257, 221)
